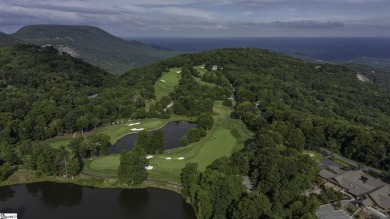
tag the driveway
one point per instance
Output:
(328, 212)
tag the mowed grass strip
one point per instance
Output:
(167, 82)
(227, 137)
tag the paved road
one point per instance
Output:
(351, 162)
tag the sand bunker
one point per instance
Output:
(135, 129)
(149, 156)
(178, 72)
(133, 124)
(149, 167)
(162, 81)
(168, 158)
(180, 158)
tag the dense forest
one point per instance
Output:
(290, 105)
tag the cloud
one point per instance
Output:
(181, 11)
(306, 24)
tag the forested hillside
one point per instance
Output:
(7, 40)
(290, 106)
(94, 46)
(44, 94)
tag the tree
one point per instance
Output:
(5, 171)
(132, 166)
(184, 141)
(194, 135)
(144, 141)
(205, 121)
(73, 167)
(189, 179)
(256, 205)
(82, 123)
(295, 139)
(156, 142)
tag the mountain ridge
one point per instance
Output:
(94, 45)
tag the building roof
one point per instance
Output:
(360, 184)
(381, 196)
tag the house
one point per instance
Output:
(214, 68)
(363, 187)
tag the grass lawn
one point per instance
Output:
(227, 136)
(200, 69)
(105, 166)
(58, 142)
(118, 131)
(167, 82)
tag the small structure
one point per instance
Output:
(368, 190)
(214, 68)
(93, 96)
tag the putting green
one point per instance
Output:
(227, 136)
(106, 165)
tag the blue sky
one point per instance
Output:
(206, 18)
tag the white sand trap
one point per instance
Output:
(135, 129)
(162, 81)
(149, 167)
(133, 124)
(149, 156)
(178, 72)
(180, 158)
(168, 158)
(201, 66)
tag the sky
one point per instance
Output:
(206, 18)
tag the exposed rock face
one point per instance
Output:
(362, 78)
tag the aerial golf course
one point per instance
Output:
(226, 137)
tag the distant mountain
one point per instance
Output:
(7, 40)
(93, 45)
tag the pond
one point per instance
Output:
(55, 200)
(173, 131)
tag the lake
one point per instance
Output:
(55, 200)
(173, 131)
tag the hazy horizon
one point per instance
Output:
(206, 18)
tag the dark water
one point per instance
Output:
(329, 49)
(57, 201)
(173, 131)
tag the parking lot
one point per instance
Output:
(328, 212)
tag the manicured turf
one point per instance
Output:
(58, 142)
(118, 131)
(167, 82)
(201, 69)
(105, 166)
(227, 136)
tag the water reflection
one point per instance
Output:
(62, 201)
(6, 192)
(173, 131)
(55, 195)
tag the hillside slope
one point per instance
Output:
(7, 40)
(93, 45)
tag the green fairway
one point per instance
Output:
(167, 82)
(201, 69)
(118, 131)
(227, 136)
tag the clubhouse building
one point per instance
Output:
(368, 190)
